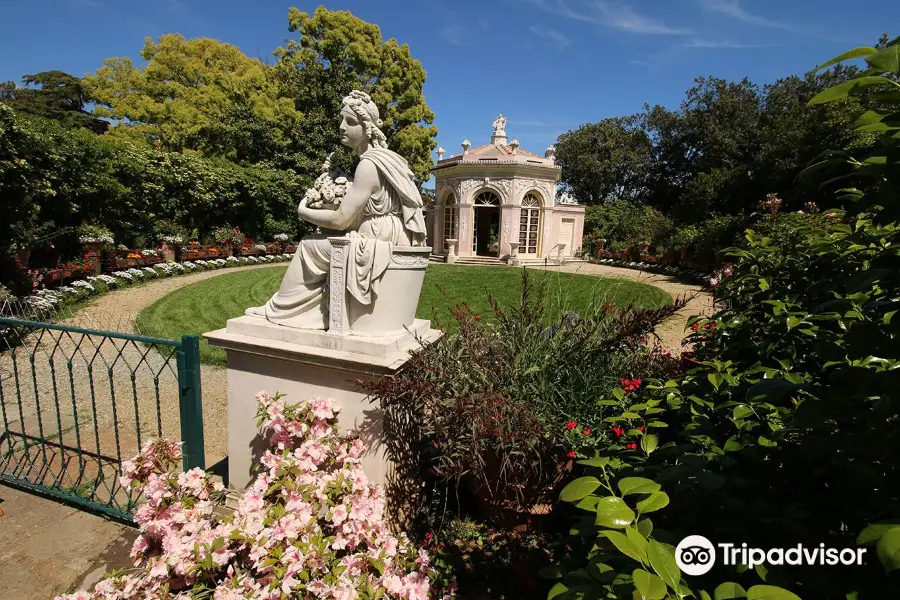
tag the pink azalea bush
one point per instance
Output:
(310, 526)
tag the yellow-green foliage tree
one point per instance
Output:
(337, 52)
(199, 94)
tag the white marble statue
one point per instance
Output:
(500, 126)
(380, 209)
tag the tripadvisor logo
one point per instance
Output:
(696, 555)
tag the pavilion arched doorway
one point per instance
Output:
(486, 234)
(530, 225)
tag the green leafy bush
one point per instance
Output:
(52, 177)
(784, 433)
(621, 221)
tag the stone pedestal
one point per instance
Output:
(451, 251)
(304, 364)
(513, 254)
(560, 257)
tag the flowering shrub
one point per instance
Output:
(110, 280)
(720, 274)
(84, 285)
(228, 235)
(770, 204)
(94, 234)
(310, 526)
(281, 237)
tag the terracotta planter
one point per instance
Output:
(24, 255)
(92, 248)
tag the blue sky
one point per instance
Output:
(548, 65)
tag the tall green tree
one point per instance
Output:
(703, 151)
(793, 133)
(337, 52)
(53, 95)
(605, 161)
(195, 94)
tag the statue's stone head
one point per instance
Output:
(360, 122)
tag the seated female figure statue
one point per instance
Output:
(381, 209)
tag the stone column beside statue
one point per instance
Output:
(451, 250)
(513, 254)
(345, 310)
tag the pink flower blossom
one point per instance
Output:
(310, 487)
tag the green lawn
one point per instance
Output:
(206, 305)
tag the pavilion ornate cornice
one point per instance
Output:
(462, 168)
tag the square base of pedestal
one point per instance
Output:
(305, 364)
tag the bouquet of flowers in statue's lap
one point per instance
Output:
(330, 187)
(310, 526)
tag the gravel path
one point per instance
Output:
(672, 331)
(60, 386)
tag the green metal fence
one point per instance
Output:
(76, 402)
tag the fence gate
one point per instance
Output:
(76, 402)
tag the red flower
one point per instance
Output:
(477, 318)
(586, 431)
(630, 446)
(571, 454)
(711, 326)
(629, 385)
(640, 428)
(618, 431)
(695, 326)
(571, 425)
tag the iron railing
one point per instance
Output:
(76, 402)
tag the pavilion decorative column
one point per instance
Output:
(466, 230)
(438, 228)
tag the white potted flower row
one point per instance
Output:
(45, 300)
(698, 276)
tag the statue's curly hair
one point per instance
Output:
(363, 107)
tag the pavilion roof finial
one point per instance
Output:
(499, 137)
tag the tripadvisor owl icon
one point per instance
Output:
(695, 555)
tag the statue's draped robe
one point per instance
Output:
(391, 217)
